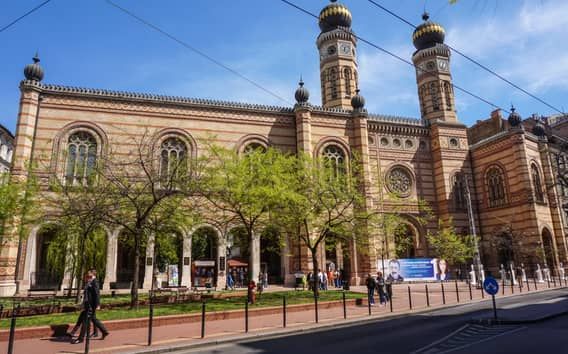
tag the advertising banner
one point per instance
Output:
(414, 269)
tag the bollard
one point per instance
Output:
(246, 317)
(443, 294)
(203, 319)
(554, 281)
(369, 304)
(535, 287)
(548, 281)
(521, 285)
(427, 296)
(87, 332)
(457, 292)
(482, 293)
(503, 286)
(409, 298)
(390, 303)
(316, 304)
(528, 285)
(470, 293)
(15, 310)
(284, 311)
(344, 307)
(150, 319)
(512, 286)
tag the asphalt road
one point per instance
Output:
(441, 331)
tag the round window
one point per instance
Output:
(399, 181)
(384, 142)
(454, 142)
(408, 144)
(396, 143)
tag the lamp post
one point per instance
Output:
(477, 255)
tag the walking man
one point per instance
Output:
(371, 285)
(91, 302)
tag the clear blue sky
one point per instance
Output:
(90, 44)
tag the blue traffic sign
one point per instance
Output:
(491, 286)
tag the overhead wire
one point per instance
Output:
(467, 57)
(398, 57)
(196, 51)
(5, 27)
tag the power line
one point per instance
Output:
(431, 72)
(484, 67)
(197, 51)
(24, 15)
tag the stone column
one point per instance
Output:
(186, 261)
(254, 267)
(111, 262)
(222, 264)
(149, 266)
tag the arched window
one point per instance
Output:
(81, 158)
(334, 158)
(347, 74)
(333, 79)
(173, 158)
(434, 93)
(496, 187)
(254, 146)
(448, 92)
(537, 184)
(459, 190)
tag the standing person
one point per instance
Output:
(241, 277)
(251, 292)
(265, 279)
(91, 302)
(310, 281)
(230, 282)
(381, 288)
(388, 287)
(324, 280)
(320, 279)
(371, 285)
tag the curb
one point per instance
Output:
(497, 322)
(245, 338)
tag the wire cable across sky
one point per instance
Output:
(484, 67)
(197, 51)
(24, 15)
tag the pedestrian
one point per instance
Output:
(336, 276)
(381, 288)
(320, 279)
(324, 280)
(81, 319)
(91, 302)
(371, 285)
(251, 292)
(310, 281)
(230, 282)
(265, 279)
(388, 287)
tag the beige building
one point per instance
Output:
(6, 149)
(509, 169)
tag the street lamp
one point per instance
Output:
(477, 255)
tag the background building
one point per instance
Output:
(6, 149)
(510, 166)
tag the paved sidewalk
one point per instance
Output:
(131, 340)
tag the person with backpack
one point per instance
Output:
(381, 289)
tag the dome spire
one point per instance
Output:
(302, 94)
(428, 34)
(34, 72)
(334, 15)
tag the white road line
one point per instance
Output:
(483, 340)
(440, 340)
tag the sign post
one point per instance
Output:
(492, 287)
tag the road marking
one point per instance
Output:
(483, 340)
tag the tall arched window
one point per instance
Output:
(537, 184)
(81, 158)
(459, 190)
(173, 158)
(434, 93)
(448, 92)
(347, 74)
(334, 158)
(333, 79)
(496, 187)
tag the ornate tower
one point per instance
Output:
(338, 64)
(432, 61)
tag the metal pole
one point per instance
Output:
(390, 302)
(457, 292)
(369, 301)
(521, 285)
(15, 310)
(150, 319)
(535, 287)
(548, 281)
(246, 316)
(344, 306)
(477, 255)
(528, 285)
(482, 293)
(284, 311)
(203, 319)
(443, 294)
(316, 304)
(427, 296)
(512, 285)
(87, 331)
(503, 286)
(494, 307)
(409, 298)
(554, 281)
(470, 293)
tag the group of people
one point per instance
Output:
(91, 303)
(326, 279)
(380, 285)
(236, 277)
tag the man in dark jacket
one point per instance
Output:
(371, 285)
(91, 302)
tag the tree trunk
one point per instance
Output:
(315, 271)
(135, 281)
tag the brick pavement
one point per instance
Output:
(129, 340)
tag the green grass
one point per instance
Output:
(234, 303)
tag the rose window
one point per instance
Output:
(399, 181)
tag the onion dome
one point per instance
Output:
(334, 15)
(358, 101)
(302, 94)
(428, 34)
(515, 118)
(538, 128)
(34, 72)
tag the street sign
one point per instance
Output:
(491, 286)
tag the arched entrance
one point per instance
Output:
(238, 255)
(204, 245)
(504, 247)
(95, 252)
(50, 259)
(125, 262)
(270, 259)
(168, 251)
(405, 241)
(548, 247)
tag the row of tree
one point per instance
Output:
(148, 194)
